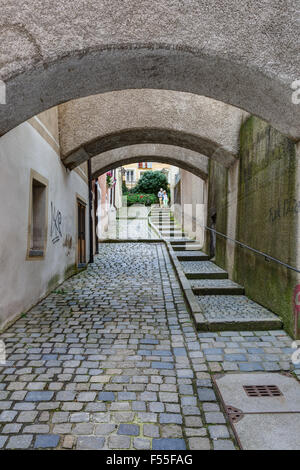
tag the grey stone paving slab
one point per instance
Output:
(203, 270)
(19, 442)
(236, 311)
(168, 444)
(283, 430)
(216, 286)
(90, 443)
(192, 255)
(129, 429)
(46, 441)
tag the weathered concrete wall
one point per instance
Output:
(243, 53)
(192, 211)
(232, 203)
(268, 217)
(23, 282)
(217, 212)
(176, 206)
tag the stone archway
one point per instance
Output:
(100, 123)
(177, 156)
(242, 54)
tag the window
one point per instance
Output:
(37, 220)
(130, 176)
(145, 165)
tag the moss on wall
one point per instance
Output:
(267, 217)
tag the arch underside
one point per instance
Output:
(241, 53)
(77, 75)
(182, 158)
(150, 136)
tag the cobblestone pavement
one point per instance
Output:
(248, 351)
(129, 229)
(111, 360)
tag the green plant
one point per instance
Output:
(151, 182)
(146, 199)
(59, 291)
(110, 180)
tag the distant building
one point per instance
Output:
(135, 170)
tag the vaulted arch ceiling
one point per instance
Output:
(99, 123)
(177, 156)
(242, 53)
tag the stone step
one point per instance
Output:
(203, 270)
(193, 255)
(216, 287)
(236, 312)
(161, 214)
(174, 233)
(187, 247)
(162, 220)
(183, 242)
(168, 227)
(171, 238)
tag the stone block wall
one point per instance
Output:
(267, 217)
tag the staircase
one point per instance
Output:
(222, 301)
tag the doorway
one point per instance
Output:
(81, 242)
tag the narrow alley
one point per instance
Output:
(149, 228)
(111, 360)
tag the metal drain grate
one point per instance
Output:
(234, 414)
(262, 390)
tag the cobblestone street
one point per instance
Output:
(111, 360)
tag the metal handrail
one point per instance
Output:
(243, 245)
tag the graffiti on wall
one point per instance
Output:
(56, 224)
(284, 208)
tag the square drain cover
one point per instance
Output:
(262, 390)
(258, 401)
(256, 392)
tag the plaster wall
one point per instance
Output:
(22, 281)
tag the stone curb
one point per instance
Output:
(194, 306)
(129, 240)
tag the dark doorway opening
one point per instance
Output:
(81, 242)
